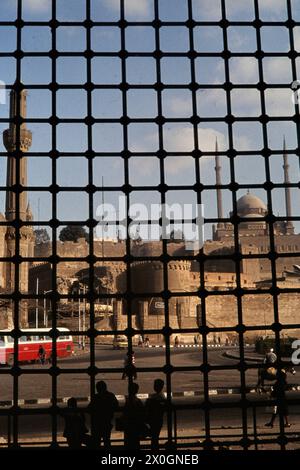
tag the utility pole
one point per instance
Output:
(37, 305)
(79, 319)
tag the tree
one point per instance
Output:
(72, 233)
(41, 236)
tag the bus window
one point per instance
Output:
(9, 339)
(47, 338)
(23, 339)
(41, 338)
(2, 341)
(29, 338)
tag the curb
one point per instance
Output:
(246, 358)
(144, 396)
(192, 346)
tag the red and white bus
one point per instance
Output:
(29, 345)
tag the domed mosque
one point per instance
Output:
(249, 206)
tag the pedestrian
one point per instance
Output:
(42, 354)
(270, 358)
(129, 366)
(141, 342)
(195, 340)
(75, 430)
(147, 342)
(102, 407)
(133, 419)
(176, 341)
(278, 393)
(155, 408)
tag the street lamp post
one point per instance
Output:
(45, 308)
(79, 319)
(37, 305)
(83, 318)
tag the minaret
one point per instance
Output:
(24, 142)
(17, 140)
(218, 183)
(289, 228)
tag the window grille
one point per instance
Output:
(148, 101)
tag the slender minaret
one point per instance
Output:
(218, 170)
(17, 140)
(288, 205)
(24, 142)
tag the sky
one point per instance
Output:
(142, 103)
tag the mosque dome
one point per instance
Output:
(249, 204)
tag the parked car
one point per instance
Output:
(120, 342)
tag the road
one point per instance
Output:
(35, 383)
(74, 380)
(225, 423)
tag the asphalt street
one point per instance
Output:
(34, 381)
(225, 422)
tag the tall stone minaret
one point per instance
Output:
(289, 227)
(11, 145)
(218, 170)
(17, 140)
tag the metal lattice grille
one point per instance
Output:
(128, 99)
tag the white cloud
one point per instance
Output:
(277, 70)
(209, 10)
(245, 102)
(175, 165)
(178, 107)
(272, 9)
(181, 139)
(137, 8)
(279, 102)
(243, 70)
(37, 5)
(212, 103)
(297, 38)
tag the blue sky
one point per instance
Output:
(142, 103)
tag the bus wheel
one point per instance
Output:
(10, 360)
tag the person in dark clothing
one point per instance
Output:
(155, 409)
(270, 358)
(42, 354)
(75, 430)
(103, 406)
(133, 418)
(278, 393)
(129, 366)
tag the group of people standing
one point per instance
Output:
(137, 420)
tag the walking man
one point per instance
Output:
(42, 354)
(278, 393)
(129, 366)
